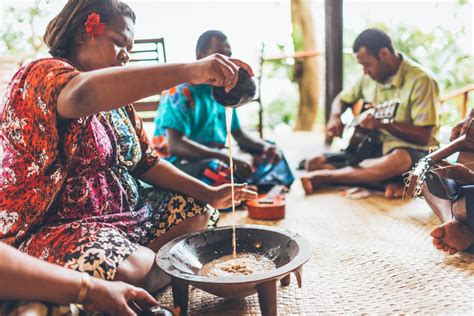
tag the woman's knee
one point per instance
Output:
(199, 222)
(136, 267)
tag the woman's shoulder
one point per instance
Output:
(47, 64)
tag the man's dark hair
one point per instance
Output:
(373, 40)
(204, 41)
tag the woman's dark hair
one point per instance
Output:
(61, 31)
(373, 40)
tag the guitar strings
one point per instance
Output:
(421, 180)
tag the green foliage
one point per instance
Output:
(282, 110)
(438, 51)
(19, 33)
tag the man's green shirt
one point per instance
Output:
(417, 91)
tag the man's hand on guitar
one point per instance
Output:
(369, 122)
(335, 125)
(457, 171)
(461, 128)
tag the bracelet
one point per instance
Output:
(85, 280)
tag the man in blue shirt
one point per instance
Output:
(191, 132)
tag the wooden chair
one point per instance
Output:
(148, 52)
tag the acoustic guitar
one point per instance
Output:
(416, 178)
(270, 206)
(354, 134)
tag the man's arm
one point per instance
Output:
(462, 127)
(420, 135)
(183, 147)
(335, 126)
(248, 142)
(257, 145)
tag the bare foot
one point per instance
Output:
(307, 185)
(318, 163)
(394, 190)
(452, 236)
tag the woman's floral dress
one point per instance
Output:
(69, 192)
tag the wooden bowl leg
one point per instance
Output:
(267, 297)
(299, 273)
(180, 294)
(286, 280)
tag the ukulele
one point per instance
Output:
(416, 177)
(384, 112)
(270, 206)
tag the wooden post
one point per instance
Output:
(333, 10)
(465, 100)
(305, 70)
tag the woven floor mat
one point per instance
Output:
(369, 256)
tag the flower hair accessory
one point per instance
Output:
(93, 26)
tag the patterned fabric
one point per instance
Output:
(417, 91)
(211, 171)
(19, 308)
(69, 189)
(192, 110)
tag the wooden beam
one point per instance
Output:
(333, 13)
(296, 55)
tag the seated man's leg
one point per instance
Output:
(211, 171)
(371, 170)
(318, 163)
(456, 231)
(328, 161)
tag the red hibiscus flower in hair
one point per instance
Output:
(93, 25)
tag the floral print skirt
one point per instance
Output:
(99, 246)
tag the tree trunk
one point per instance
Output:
(306, 69)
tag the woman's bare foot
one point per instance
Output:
(394, 190)
(452, 236)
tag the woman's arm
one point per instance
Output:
(167, 176)
(23, 277)
(106, 89)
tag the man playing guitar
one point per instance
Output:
(402, 142)
(455, 206)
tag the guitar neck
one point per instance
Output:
(455, 146)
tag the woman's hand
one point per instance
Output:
(115, 297)
(216, 70)
(221, 196)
